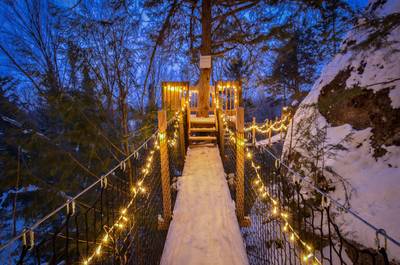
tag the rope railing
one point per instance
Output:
(106, 220)
(334, 201)
(267, 126)
(291, 224)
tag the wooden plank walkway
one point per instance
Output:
(204, 229)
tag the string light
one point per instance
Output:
(173, 88)
(172, 142)
(122, 220)
(277, 126)
(261, 188)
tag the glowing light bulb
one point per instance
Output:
(98, 250)
(307, 257)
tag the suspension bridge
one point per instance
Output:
(203, 192)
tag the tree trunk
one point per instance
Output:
(151, 105)
(205, 73)
(125, 131)
(14, 214)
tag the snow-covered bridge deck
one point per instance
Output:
(204, 229)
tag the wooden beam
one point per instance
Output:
(165, 178)
(240, 160)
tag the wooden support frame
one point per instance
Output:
(221, 133)
(165, 178)
(182, 129)
(253, 131)
(240, 160)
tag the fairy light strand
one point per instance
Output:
(277, 126)
(276, 211)
(138, 188)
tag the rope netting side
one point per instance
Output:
(229, 160)
(113, 221)
(145, 242)
(291, 223)
(70, 235)
(175, 156)
(301, 228)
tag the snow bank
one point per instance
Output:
(274, 139)
(204, 229)
(371, 183)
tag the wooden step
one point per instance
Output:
(202, 138)
(203, 129)
(199, 120)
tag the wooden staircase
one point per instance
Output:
(202, 130)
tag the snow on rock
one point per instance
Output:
(353, 110)
(384, 8)
(204, 228)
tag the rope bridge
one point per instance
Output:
(117, 221)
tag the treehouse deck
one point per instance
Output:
(204, 228)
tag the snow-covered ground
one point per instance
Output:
(372, 183)
(209, 119)
(274, 139)
(204, 229)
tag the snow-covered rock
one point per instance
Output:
(352, 117)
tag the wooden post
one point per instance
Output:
(269, 127)
(182, 130)
(253, 131)
(240, 146)
(221, 133)
(188, 114)
(163, 90)
(165, 181)
(239, 93)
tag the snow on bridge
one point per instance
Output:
(204, 229)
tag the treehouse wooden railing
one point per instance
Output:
(226, 95)
(193, 100)
(172, 93)
(229, 96)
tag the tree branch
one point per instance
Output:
(159, 41)
(234, 11)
